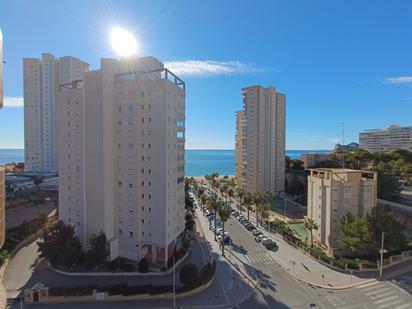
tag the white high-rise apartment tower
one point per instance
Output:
(41, 80)
(2, 192)
(260, 140)
(121, 134)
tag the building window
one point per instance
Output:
(131, 234)
(120, 232)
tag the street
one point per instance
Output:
(282, 287)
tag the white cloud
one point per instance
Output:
(205, 68)
(398, 80)
(13, 101)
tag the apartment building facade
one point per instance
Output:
(333, 193)
(260, 140)
(41, 80)
(2, 182)
(311, 159)
(240, 160)
(386, 140)
(122, 132)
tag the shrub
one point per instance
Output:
(129, 268)
(186, 243)
(189, 275)
(143, 266)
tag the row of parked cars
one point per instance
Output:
(259, 236)
(214, 222)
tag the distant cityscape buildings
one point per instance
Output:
(386, 140)
(120, 144)
(333, 193)
(41, 81)
(260, 140)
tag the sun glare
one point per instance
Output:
(123, 42)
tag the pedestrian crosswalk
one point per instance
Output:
(384, 295)
(264, 258)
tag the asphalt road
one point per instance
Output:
(278, 285)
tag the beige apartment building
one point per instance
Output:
(260, 140)
(240, 160)
(2, 181)
(41, 80)
(121, 135)
(311, 159)
(333, 193)
(386, 140)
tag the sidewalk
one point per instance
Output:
(305, 268)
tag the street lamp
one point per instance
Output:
(381, 263)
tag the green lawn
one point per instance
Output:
(299, 229)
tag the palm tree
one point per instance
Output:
(203, 200)
(311, 225)
(200, 191)
(257, 200)
(240, 194)
(214, 205)
(264, 213)
(247, 201)
(224, 214)
(230, 193)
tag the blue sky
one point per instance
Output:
(337, 61)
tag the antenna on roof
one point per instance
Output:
(343, 143)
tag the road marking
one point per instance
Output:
(390, 304)
(385, 299)
(377, 291)
(367, 284)
(371, 288)
(386, 294)
(408, 305)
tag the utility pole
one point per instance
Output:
(381, 263)
(343, 144)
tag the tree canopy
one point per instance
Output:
(363, 235)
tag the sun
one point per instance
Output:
(123, 42)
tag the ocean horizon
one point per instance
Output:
(198, 162)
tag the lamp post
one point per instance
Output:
(381, 263)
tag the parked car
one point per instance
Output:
(250, 227)
(219, 230)
(267, 241)
(256, 232)
(257, 239)
(271, 245)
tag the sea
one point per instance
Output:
(198, 162)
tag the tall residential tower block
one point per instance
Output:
(41, 81)
(2, 184)
(120, 144)
(260, 140)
